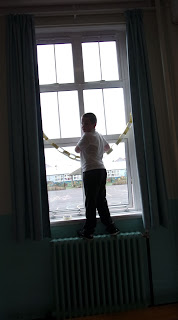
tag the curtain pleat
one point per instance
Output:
(29, 189)
(152, 184)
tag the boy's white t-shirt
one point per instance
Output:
(92, 146)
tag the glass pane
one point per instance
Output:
(64, 183)
(64, 63)
(91, 61)
(46, 64)
(93, 102)
(50, 116)
(116, 186)
(100, 61)
(69, 114)
(109, 66)
(114, 110)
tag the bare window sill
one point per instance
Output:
(129, 214)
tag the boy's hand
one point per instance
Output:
(106, 148)
(77, 149)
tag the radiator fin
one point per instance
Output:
(99, 276)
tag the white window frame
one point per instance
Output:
(74, 35)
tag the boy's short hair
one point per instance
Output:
(91, 116)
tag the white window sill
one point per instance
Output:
(122, 215)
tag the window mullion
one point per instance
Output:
(100, 61)
(59, 114)
(78, 70)
(54, 87)
(81, 102)
(104, 111)
(55, 63)
(77, 60)
(123, 70)
(103, 84)
(121, 53)
(129, 178)
(62, 142)
(134, 171)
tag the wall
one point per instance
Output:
(25, 276)
(164, 241)
(25, 269)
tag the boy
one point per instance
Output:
(91, 147)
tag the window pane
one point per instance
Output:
(91, 61)
(46, 64)
(93, 102)
(114, 110)
(100, 61)
(116, 186)
(64, 63)
(50, 116)
(109, 66)
(64, 183)
(69, 114)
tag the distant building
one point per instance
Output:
(115, 169)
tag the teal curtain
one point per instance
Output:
(154, 197)
(29, 189)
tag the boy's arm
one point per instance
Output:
(106, 145)
(82, 144)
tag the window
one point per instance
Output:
(86, 72)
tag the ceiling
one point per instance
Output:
(24, 3)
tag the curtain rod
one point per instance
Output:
(71, 10)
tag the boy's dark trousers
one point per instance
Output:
(95, 198)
